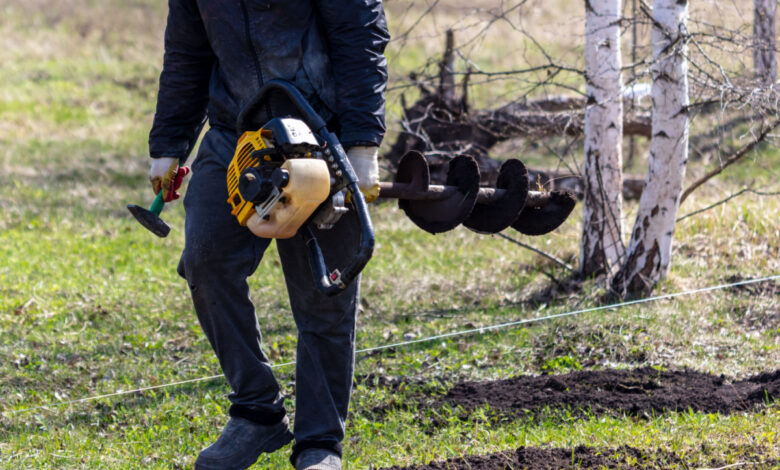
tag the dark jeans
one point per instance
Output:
(219, 255)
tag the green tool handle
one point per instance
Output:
(158, 204)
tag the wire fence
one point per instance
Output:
(401, 344)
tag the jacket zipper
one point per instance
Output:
(255, 58)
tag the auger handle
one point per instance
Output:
(328, 282)
(310, 116)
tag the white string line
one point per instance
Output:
(126, 392)
(420, 340)
(567, 314)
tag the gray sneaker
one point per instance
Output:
(241, 443)
(318, 459)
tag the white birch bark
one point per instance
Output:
(764, 62)
(602, 247)
(650, 249)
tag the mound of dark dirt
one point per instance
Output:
(582, 457)
(536, 458)
(641, 392)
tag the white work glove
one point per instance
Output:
(364, 161)
(166, 176)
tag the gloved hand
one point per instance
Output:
(366, 165)
(166, 176)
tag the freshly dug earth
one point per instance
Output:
(579, 457)
(641, 392)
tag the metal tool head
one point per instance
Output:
(150, 220)
(541, 220)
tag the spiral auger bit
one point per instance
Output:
(439, 208)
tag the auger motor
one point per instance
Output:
(292, 175)
(277, 179)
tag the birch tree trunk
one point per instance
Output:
(764, 61)
(650, 249)
(602, 247)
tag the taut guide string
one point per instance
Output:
(452, 334)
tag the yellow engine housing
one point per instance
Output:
(248, 143)
(307, 188)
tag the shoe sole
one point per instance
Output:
(273, 444)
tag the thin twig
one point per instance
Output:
(739, 193)
(555, 280)
(729, 161)
(552, 258)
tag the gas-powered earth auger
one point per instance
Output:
(292, 174)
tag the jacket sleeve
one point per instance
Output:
(184, 83)
(356, 32)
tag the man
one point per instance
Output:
(218, 53)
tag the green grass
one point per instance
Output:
(90, 303)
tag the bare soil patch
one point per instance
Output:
(581, 457)
(642, 392)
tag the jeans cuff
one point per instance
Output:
(260, 417)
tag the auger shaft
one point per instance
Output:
(437, 192)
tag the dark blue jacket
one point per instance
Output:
(219, 52)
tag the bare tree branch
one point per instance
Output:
(738, 155)
(723, 201)
(552, 258)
